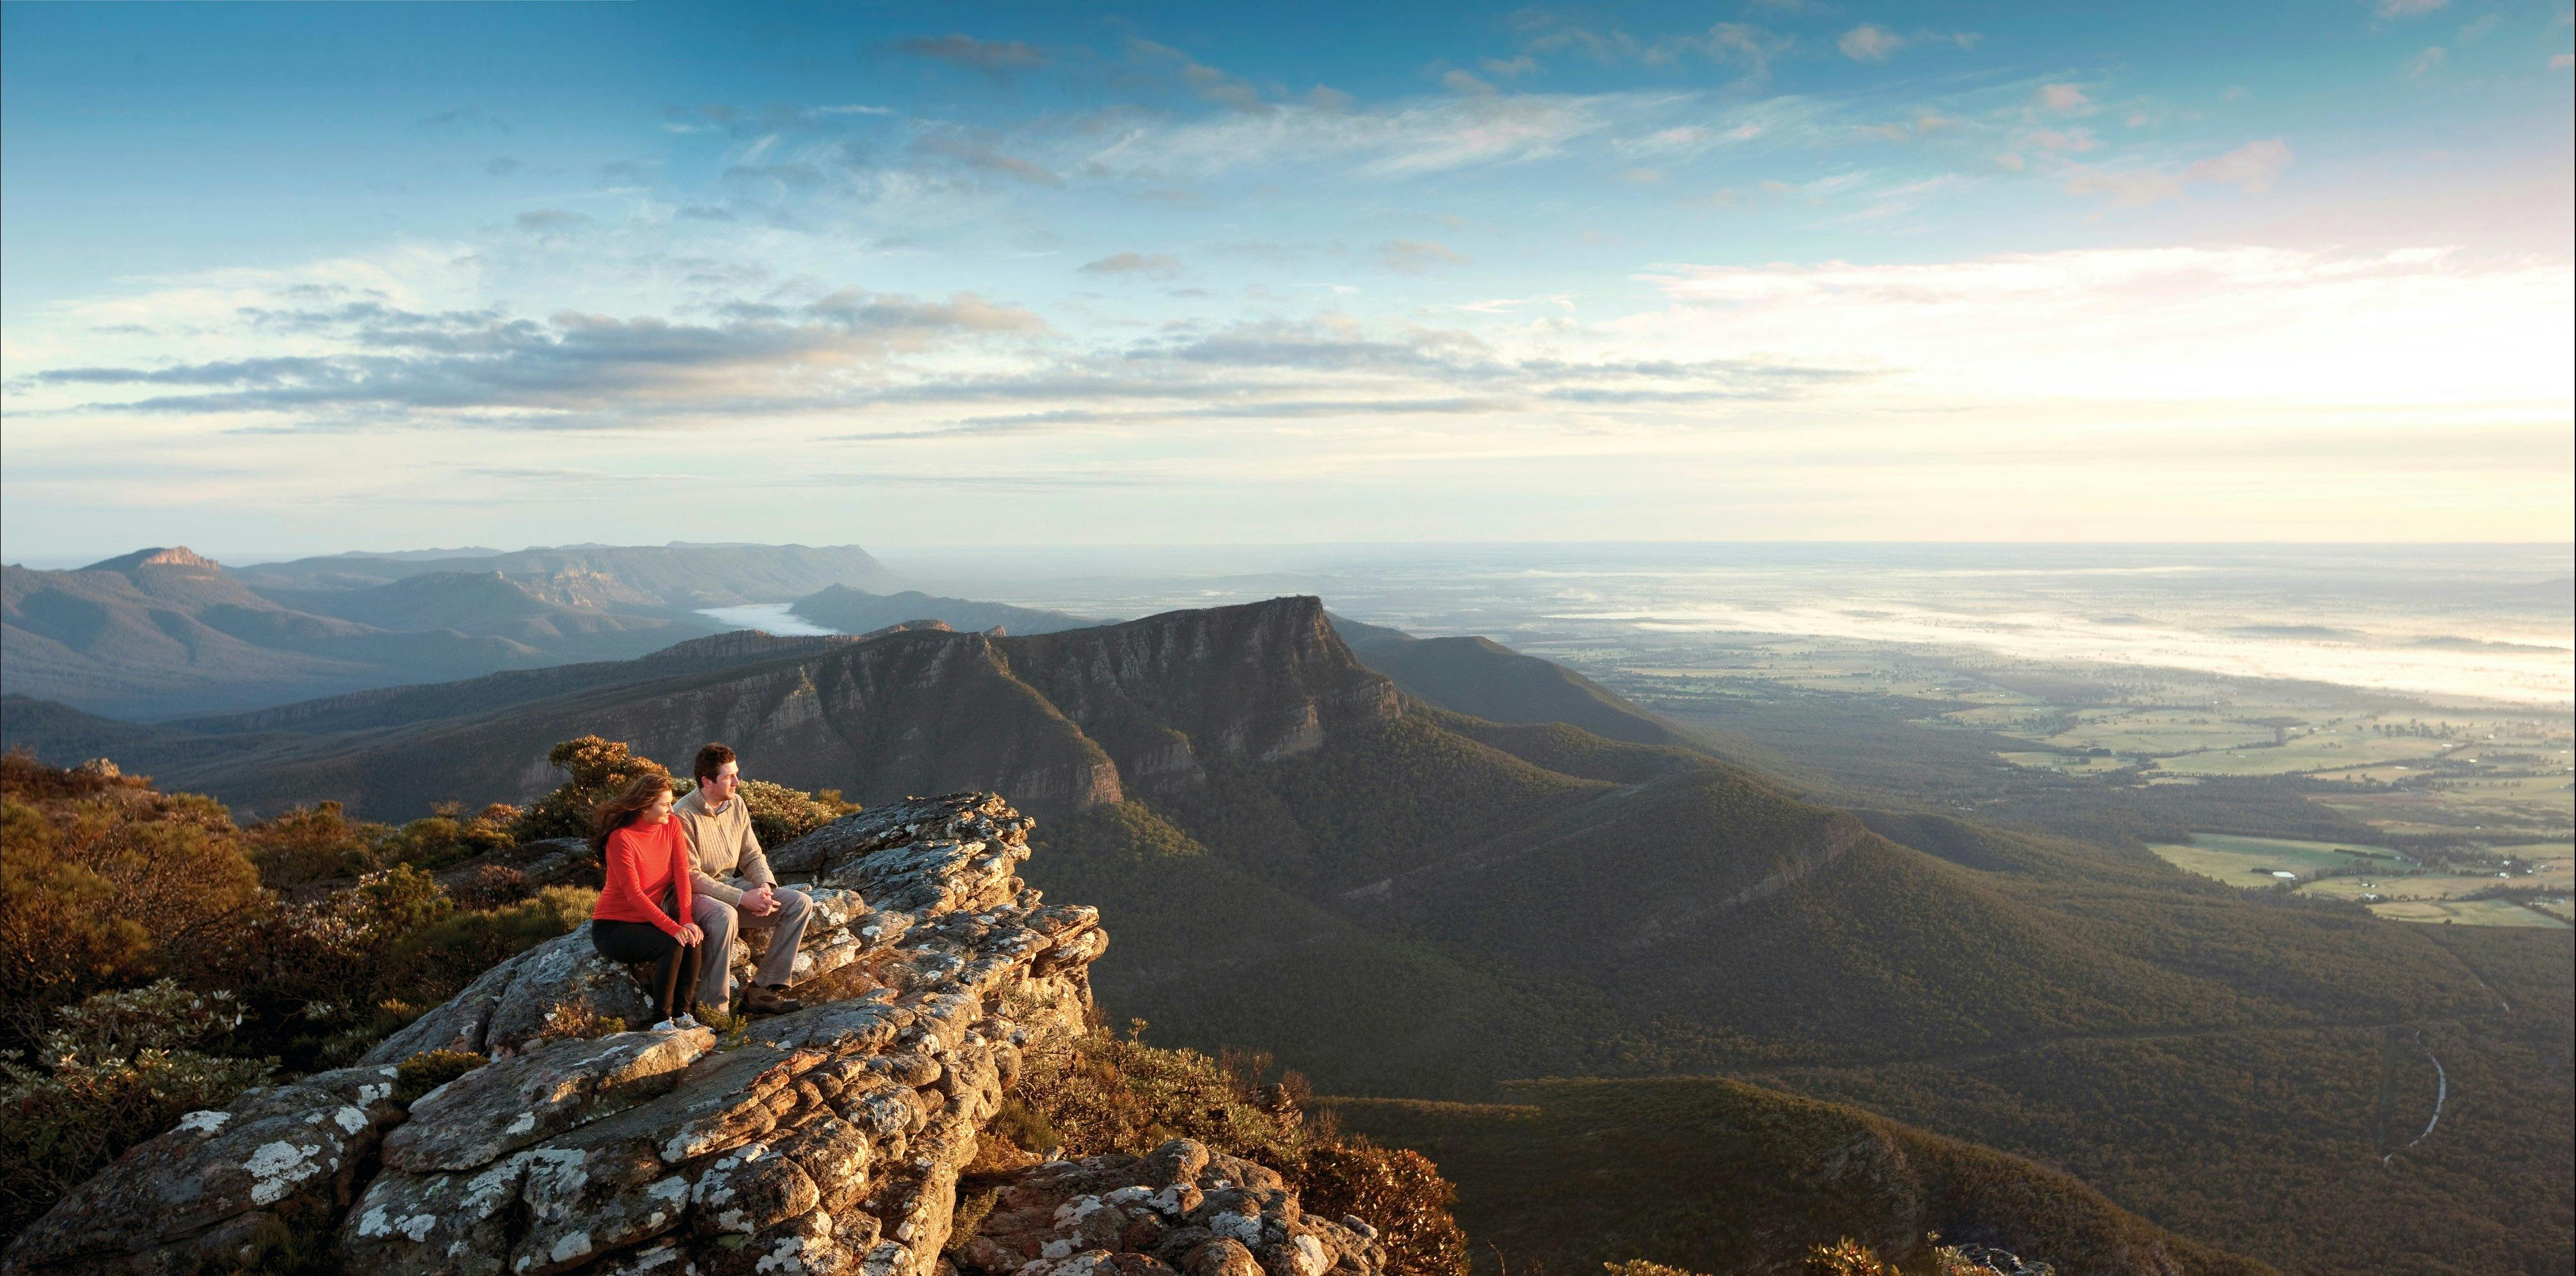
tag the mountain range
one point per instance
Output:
(166, 633)
(1388, 882)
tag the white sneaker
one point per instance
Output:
(687, 1021)
(667, 1025)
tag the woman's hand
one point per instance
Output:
(690, 935)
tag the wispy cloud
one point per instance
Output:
(992, 57)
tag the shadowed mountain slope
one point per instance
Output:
(1485, 679)
(1713, 1175)
(856, 611)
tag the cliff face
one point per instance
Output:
(1166, 694)
(1064, 722)
(830, 1141)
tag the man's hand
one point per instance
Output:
(761, 900)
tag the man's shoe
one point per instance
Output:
(761, 999)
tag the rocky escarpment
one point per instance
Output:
(827, 1140)
(1062, 722)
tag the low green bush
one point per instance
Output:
(430, 1069)
(117, 1069)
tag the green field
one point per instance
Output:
(2467, 912)
(2238, 861)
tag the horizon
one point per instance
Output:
(72, 562)
(285, 279)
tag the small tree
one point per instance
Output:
(598, 769)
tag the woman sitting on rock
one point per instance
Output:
(648, 886)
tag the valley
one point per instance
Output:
(1428, 869)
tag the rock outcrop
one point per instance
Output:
(827, 1140)
(1181, 1208)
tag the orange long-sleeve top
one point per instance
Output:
(645, 860)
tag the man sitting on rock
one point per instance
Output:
(735, 889)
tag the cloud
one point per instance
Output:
(2062, 99)
(1207, 83)
(2251, 168)
(1742, 45)
(1869, 43)
(983, 157)
(550, 220)
(383, 365)
(1416, 256)
(502, 166)
(2561, 61)
(2426, 63)
(1511, 68)
(1457, 81)
(2261, 329)
(1154, 265)
(993, 57)
(1405, 139)
(2066, 142)
(2408, 8)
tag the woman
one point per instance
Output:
(635, 919)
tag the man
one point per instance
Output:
(734, 890)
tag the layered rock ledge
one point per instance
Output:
(829, 1140)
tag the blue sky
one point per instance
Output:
(311, 277)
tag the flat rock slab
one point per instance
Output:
(501, 1107)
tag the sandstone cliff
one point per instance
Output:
(1063, 722)
(829, 1140)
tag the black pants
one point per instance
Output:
(675, 965)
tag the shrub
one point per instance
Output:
(1399, 1192)
(430, 1069)
(119, 1068)
(1846, 1257)
(312, 843)
(432, 963)
(597, 769)
(1101, 1093)
(442, 838)
(105, 883)
(780, 815)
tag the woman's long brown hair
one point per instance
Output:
(618, 812)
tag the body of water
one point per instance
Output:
(772, 617)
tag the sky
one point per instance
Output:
(305, 278)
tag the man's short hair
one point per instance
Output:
(711, 760)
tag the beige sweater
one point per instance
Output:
(724, 857)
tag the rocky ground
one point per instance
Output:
(827, 1140)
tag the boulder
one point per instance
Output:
(505, 1106)
(192, 1195)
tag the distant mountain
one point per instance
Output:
(1066, 720)
(855, 611)
(1485, 679)
(162, 632)
(165, 632)
(654, 578)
